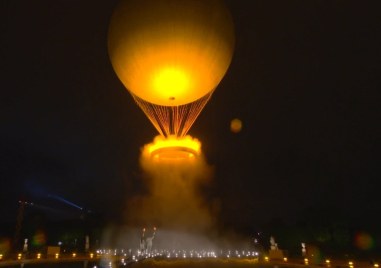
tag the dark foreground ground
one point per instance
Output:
(183, 263)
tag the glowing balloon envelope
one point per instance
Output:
(171, 55)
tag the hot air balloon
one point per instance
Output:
(171, 55)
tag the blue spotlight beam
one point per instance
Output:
(65, 201)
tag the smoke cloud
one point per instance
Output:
(175, 203)
(174, 200)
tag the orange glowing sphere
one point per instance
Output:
(235, 125)
(171, 52)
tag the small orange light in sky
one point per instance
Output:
(236, 125)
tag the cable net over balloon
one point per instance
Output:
(173, 120)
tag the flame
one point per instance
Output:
(171, 82)
(173, 148)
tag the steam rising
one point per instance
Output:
(173, 200)
(175, 203)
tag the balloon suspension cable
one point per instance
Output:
(173, 120)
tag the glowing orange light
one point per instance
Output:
(364, 241)
(171, 55)
(236, 125)
(173, 148)
(171, 82)
(166, 44)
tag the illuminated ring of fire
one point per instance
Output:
(174, 149)
(175, 152)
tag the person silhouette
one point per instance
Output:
(149, 241)
(142, 244)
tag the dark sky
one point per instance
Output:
(304, 80)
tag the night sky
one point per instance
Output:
(304, 80)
